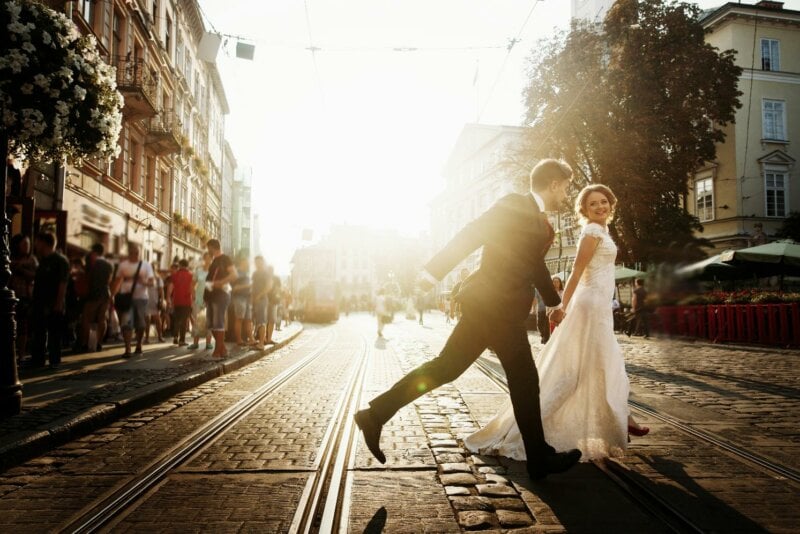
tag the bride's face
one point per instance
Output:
(597, 207)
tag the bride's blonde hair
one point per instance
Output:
(580, 201)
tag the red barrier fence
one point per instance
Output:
(767, 324)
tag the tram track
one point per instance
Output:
(104, 511)
(669, 515)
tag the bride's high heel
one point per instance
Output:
(640, 431)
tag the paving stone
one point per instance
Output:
(458, 479)
(456, 490)
(512, 518)
(509, 503)
(476, 520)
(472, 503)
(495, 490)
(461, 467)
(496, 479)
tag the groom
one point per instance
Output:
(495, 301)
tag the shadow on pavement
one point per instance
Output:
(378, 522)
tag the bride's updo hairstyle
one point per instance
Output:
(580, 202)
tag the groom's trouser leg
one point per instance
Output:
(514, 351)
(465, 344)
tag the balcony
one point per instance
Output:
(164, 133)
(137, 84)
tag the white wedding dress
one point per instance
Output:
(583, 384)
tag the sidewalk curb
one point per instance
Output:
(109, 410)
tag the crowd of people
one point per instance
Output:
(83, 303)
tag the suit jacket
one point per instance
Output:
(515, 236)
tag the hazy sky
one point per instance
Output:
(358, 133)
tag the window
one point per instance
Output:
(775, 183)
(168, 36)
(770, 54)
(117, 28)
(87, 11)
(704, 199)
(774, 112)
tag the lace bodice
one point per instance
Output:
(599, 273)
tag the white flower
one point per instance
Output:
(14, 10)
(46, 39)
(80, 92)
(26, 88)
(16, 27)
(28, 47)
(41, 81)
(9, 118)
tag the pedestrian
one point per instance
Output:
(155, 305)
(181, 298)
(419, 304)
(221, 274)
(261, 287)
(558, 284)
(274, 302)
(241, 304)
(639, 323)
(166, 308)
(199, 312)
(381, 311)
(98, 297)
(455, 303)
(495, 303)
(77, 289)
(134, 278)
(48, 301)
(583, 384)
(23, 272)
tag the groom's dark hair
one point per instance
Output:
(548, 171)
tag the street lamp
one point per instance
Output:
(10, 386)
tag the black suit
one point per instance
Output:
(495, 301)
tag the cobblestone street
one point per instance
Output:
(284, 455)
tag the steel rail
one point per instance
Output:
(105, 509)
(777, 469)
(637, 492)
(320, 508)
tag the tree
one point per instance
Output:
(638, 106)
(58, 99)
(791, 227)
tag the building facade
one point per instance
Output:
(754, 179)
(590, 10)
(163, 191)
(226, 218)
(242, 193)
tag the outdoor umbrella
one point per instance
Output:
(712, 268)
(778, 258)
(624, 274)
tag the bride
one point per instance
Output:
(583, 385)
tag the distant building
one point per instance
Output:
(163, 190)
(242, 237)
(226, 218)
(753, 179)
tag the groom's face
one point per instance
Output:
(559, 191)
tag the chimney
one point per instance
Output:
(768, 4)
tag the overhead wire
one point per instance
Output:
(313, 50)
(509, 48)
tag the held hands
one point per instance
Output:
(556, 315)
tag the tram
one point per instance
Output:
(320, 302)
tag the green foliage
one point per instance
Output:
(58, 98)
(637, 106)
(791, 227)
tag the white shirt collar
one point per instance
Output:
(539, 201)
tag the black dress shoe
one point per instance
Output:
(553, 463)
(372, 433)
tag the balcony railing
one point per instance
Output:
(137, 83)
(163, 133)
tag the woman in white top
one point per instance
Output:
(134, 318)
